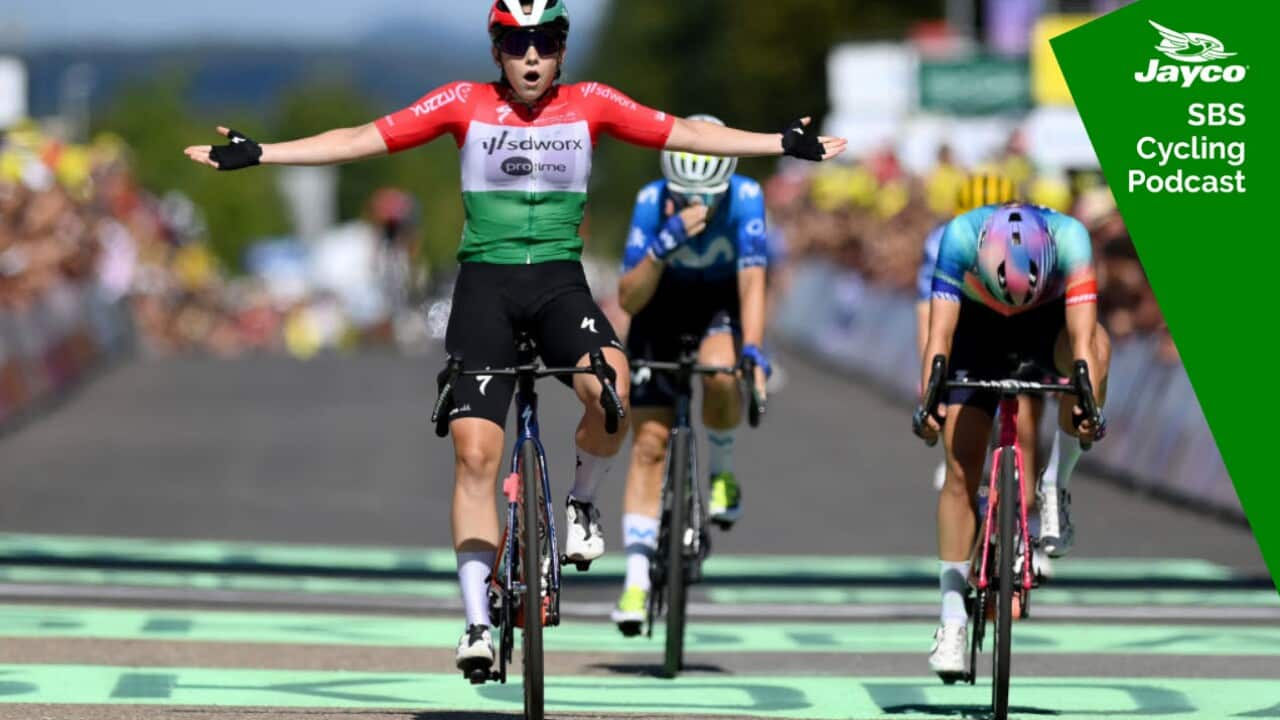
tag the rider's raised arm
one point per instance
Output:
(706, 138)
(332, 147)
(620, 116)
(436, 113)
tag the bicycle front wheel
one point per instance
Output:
(532, 552)
(678, 523)
(1006, 513)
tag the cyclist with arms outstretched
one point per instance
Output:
(526, 143)
(694, 266)
(1017, 280)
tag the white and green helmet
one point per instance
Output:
(691, 174)
(513, 15)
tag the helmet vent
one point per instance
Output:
(1035, 274)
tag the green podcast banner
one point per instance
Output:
(1180, 100)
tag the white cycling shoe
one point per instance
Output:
(950, 655)
(475, 650)
(1056, 533)
(584, 540)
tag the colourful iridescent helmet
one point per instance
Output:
(516, 14)
(1016, 254)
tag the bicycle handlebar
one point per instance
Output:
(755, 404)
(610, 402)
(1078, 384)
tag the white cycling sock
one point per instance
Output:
(640, 533)
(1049, 478)
(1063, 457)
(721, 442)
(588, 475)
(953, 578)
(473, 576)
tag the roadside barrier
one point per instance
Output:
(49, 345)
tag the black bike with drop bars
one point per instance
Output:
(999, 588)
(524, 591)
(683, 541)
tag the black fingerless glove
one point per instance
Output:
(802, 142)
(241, 152)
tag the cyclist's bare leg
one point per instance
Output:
(652, 428)
(597, 450)
(477, 447)
(965, 434)
(722, 399)
(642, 500)
(591, 435)
(1030, 410)
(1056, 530)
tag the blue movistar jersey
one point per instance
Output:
(924, 277)
(735, 237)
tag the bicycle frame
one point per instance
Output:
(1008, 414)
(527, 432)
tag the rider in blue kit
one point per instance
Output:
(694, 265)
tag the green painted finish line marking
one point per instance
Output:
(250, 555)
(573, 636)
(822, 698)
(241, 582)
(448, 589)
(1049, 595)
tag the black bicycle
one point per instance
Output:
(997, 586)
(524, 590)
(683, 541)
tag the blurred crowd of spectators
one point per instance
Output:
(872, 217)
(91, 264)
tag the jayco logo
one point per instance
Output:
(505, 142)
(457, 93)
(1194, 49)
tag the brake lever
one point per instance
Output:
(610, 402)
(1088, 403)
(446, 380)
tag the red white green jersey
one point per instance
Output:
(524, 170)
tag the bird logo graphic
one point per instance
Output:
(1189, 47)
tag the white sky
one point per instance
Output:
(42, 22)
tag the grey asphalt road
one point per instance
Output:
(339, 450)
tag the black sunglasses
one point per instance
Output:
(545, 42)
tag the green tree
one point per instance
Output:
(152, 117)
(757, 65)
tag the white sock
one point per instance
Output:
(721, 442)
(640, 534)
(588, 475)
(953, 578)
(1049, 479)
(473, 575)
(1071, 454)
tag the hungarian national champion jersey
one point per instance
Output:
(524, 170)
